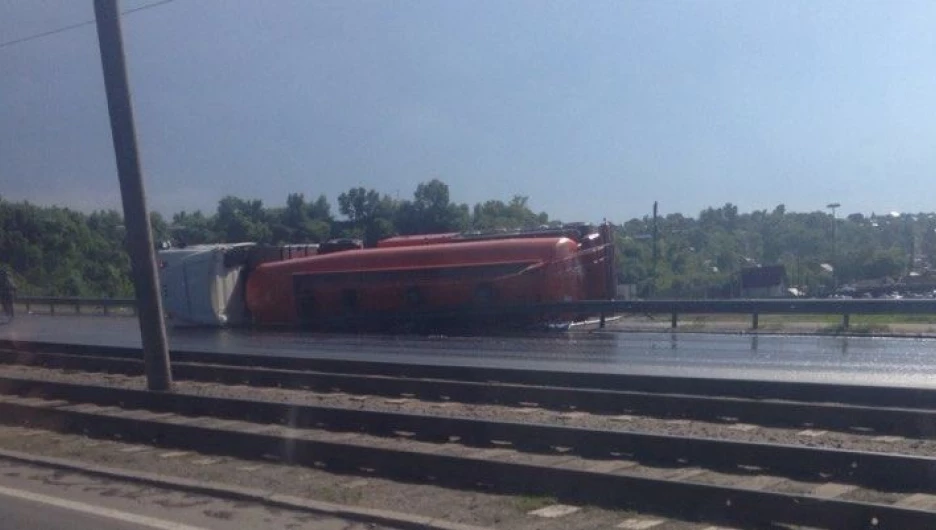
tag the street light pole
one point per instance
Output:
(136, 218)
(833, 206)
(656, 250)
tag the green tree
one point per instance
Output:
(238, 220)
(192, 228)
(160, 228)
(371, 214)
(301, 222)
(516, 213)
(431, 211)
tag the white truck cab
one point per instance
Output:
(203, 285)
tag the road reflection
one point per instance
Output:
(802, 357)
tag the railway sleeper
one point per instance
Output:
(897, 472)
(913, 422)
(627, 486)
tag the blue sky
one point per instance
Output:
(592, 109)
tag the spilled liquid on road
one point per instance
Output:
(862, 360)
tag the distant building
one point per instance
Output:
(764, 282)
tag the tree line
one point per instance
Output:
(701, 256)
(59, 251)
(63, 252)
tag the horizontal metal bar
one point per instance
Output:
(768, 306)
(709, 502)
(595, 307)
(73, 300)
(521, 316)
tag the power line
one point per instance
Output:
(78, 25)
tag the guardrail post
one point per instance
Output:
(845, 321)
(27, 307)
(601, 323)
(51, 308)
(673, 321)
(754, 319)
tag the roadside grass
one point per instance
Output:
(910, 324)
(895, 319)
(777, 321)
(800, 319)
(855, 319)
(857, 329)
(528, 503)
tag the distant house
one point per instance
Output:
(764, 282)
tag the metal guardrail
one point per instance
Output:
(603, 308)
(106, 304)
(813, 306)
(756, 307)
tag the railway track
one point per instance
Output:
(724, 481)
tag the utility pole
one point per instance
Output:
(833, 206)
(910, 235)
(136, 218)
(656, 250)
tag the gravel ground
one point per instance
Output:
(470, 507)
(413, 501)
(478, 508)
(807, 435)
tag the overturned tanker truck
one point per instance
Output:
(405, 282)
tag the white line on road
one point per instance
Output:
(141, 520)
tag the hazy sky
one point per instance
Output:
(592, 109)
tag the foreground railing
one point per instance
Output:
(757, 307)
(603, 308)
(606, 308)
(77, 302)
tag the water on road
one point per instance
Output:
(861, 360)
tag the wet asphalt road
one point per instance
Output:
(862, 360)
